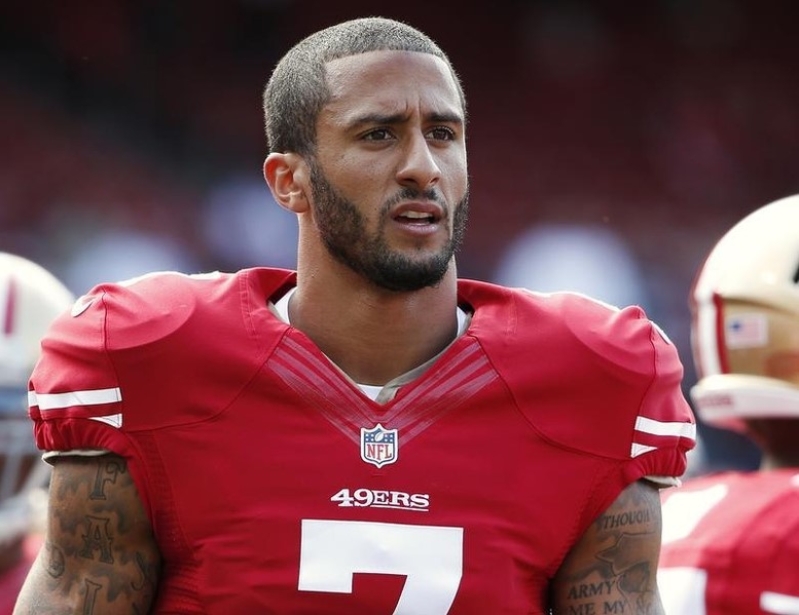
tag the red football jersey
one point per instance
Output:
(12, 579)
(275, 485)
(731, 545)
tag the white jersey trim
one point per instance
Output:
(660, 428)
(781, 604)
(671, 428)
(55, 401)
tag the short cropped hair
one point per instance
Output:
(297, 89)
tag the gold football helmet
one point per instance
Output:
(745, 320)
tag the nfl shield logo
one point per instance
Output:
(379, 446)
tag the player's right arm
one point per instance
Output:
(100, 555)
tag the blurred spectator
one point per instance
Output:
(592, 260)
(244, 226)
(117, 255)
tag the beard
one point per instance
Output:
(343, 231)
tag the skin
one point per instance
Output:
(777, 440)
(612, 569)
(391, 140)
(395, 123)
(100, 555)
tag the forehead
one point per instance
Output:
(391, 82)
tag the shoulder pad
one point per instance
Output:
(590, 376)
(159, 350)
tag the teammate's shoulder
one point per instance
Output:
(733, 507)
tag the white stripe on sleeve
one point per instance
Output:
(55, 401)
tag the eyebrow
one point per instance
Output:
(399, 118)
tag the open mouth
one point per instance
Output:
(416, 218)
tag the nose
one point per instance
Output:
(419, 168)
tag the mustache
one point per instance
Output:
(411, 194)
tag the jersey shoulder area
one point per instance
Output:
(587, 374)
(154, 340)
(158, 305)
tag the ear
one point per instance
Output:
(286, 175)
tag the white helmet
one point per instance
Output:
(745, 326)
(30, 299)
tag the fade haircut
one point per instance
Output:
(297, 90)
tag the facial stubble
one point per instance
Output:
(344, 233)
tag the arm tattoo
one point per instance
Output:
(107, 472)
(100, 549)
(97, 539)
(54, 559)
(92, 589)
(613, 569)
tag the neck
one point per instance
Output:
(374, 335)
(774, 462)
(777, 440)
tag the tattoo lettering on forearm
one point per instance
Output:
(626, 518)
(614, 573)
(106, 473)
(55, 562)
(91, 589)
(97, 538)
(590, 590)
(584, 591)
(582, 609)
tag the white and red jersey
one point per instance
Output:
(731, 545)
(275, 485)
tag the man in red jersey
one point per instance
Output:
(731, 539)
(30, 298)
(368, 434)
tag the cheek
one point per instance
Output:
(455, 172)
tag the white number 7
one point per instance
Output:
(431, 557)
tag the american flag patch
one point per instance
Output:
(746, 330)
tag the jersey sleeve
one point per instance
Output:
(609, 383)
(162, 351)
(74, 387)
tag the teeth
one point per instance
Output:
(415, 214)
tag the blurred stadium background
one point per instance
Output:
(611, 142)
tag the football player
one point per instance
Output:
(368, 434)
(731, 539)
(30, 298)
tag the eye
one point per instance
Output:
(442, 133)
(378, 134)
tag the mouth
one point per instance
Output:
(418, 214)
(416, 218)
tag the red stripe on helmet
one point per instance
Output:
(721, 342)
(11, 301)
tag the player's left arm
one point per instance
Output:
(613, 567)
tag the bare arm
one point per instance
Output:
(613, 569)
(99, 556)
